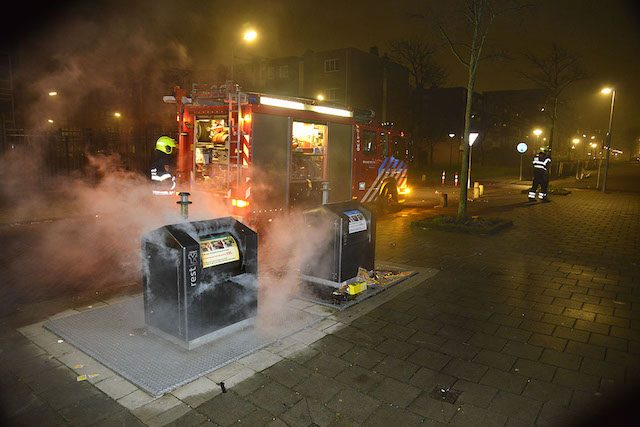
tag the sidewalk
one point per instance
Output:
(537, 325)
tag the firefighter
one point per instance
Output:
(541, 164)
(163, 168)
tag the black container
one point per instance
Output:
(200, 279)
(350, 245)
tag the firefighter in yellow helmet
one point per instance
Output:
(163, 169)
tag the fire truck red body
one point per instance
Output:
(269, 154)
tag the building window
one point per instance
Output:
(284, 71)
(331, 65)
(271, 73)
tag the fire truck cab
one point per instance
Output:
(270, 154)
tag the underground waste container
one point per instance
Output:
(200, 280)
(344, 235)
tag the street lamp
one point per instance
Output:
(248, 36)
(472, 138)
(608, 143)
(575, 141)
(537, 133)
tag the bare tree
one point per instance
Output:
(417, 55)
(479, 17)
(553, 74)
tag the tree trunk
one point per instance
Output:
(464, 161)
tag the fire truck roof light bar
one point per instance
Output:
(283, 103)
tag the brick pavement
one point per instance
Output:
(543, 331)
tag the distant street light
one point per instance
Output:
(472, 138)
(53, 93)
(320, 98)
(116, 114)
(451, 135)
(608, 143)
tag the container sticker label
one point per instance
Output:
(357, 221)
(219, 250)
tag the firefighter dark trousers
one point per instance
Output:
(539, 179)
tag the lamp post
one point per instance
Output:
(608, 143)
(451, 135)
(472, 139)
(248, 36)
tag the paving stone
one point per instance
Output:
(490, 342)
(513, 334)
(401, 333)
(599, 328)
(588, 350)
(274, 398)
(433, 409)
(364, 357)
(429, 359)
(395, 392)
(87, 411)
(470, 415)
(476, 394)
(389, 415)
(360, 337)
(357, 405)
(516, 406)
(506, 381)
(396, 368)
(427, 379)
(548, 341)
(556, 414)
(326, 364)
(319, 387)
(226, 408)
(395, 348)
(308, 412)
(360, 378)
(332, 345)
(533, 369)
(459, 350)
(495, 359)
(465, 370)
(197, 392)
(561, 359)
(603, 369)
(609, 341)
(287, 372)
(523, 350)
(537, 327)
(546, 391)
(570, 378)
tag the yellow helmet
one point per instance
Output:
(166, 144)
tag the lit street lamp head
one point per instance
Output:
(606, 90)
(537, 132)
(250, 35)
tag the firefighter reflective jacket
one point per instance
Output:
(541, 162)
(162, 178)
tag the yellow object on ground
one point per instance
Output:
(357, 287)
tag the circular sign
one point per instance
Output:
(521, 147)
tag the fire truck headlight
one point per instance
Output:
(405, 190)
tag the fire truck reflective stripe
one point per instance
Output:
(247, 193)
(160, 178)
(162, 192)
(373, 188)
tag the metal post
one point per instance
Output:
(325, 193)
(184, 205)
(469, 174)
(608, 147)
(598, 181)
(521, 154)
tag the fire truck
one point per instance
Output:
(270, 154)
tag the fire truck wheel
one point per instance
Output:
(387, 200)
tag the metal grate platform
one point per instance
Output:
(117, 337)
(322, 294)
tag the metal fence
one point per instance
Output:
(67, 151)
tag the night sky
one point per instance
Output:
(605, 34)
